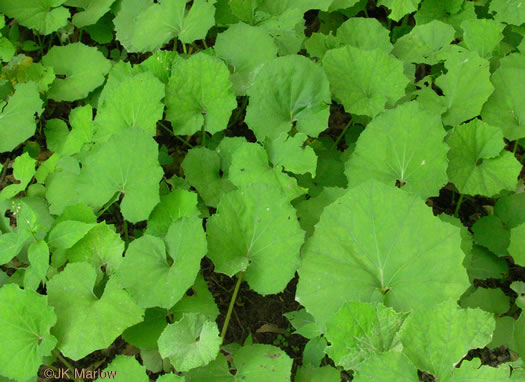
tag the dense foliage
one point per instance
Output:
(159, 159)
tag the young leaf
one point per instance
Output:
(172, 207)
(25, 321)
(423, 43)
(201, 168)
(435, 340)
(45, 16)
(154, 279)
(23, 171)
(123, 369)
(309, 373)
(245, 49)
(145, 25)
(482, 35)
(127, 164)
(404, 147)
(359, 330)
(255, 230)
(250, 165)
(254, 363)
(191, 342)
(62, 141)
(363, 33)
(87, 323)
(134, 102)
(84, 68)
(508, 11)
(292, 154)
(38, 255)
(400, 8)
(373, 245)
(17, 118)
(506, 106)
(517, 244)
(92, 11)
(477, 164)
(288, 91)
(364, 81)
(199, 95)
(391, 366)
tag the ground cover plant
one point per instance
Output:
(260, 190)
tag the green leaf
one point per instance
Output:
(404, 147)
(127, 164)
(309, 373)
(201, 169)
(65, 234)
(511, 209)
(160, 64)
(100, 247)
(23, 171)
(38, 255)
(87, 323)
(400, 8)
(191, 342)
(452, 12)
(519, 288)
(309, 210)
(250, 165)
(45, 16)
(304, 323)
(363, 33)
(517, 244)
(392, 366)
(358, 330)
(133, 102)
(7, 49)
(292, 154)
(145, 334)
(92, 11)
(477, 164)
(172, 206)
(482, 35)
(435, 340)
(472, 371)
(354, 73)
(508, 11)
(255, 230)
(254, 363)
(154, 279)
(17, 118)
(287, 29)
(466, 85)
(490, 300)
(199, 95)
(121, 369)
(144, 25)
(62, 141)
(424, 42)
(377, 243)
(25, 321)
(201, 300)
(491, 232)
(482, 264)
(288, 91)
(245, 49)
(84, 68)
(506, 106)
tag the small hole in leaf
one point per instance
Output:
(400, 183)
(190, 292)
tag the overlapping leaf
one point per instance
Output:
(379, 244)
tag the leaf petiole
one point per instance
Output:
(230, 307)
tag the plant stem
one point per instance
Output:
(66, 363)
(515, 147)
(205, 45)
(184, 48)
(342, 133)
(232, 304)
(109, 204)
(203, 135)
(126, 235)
(458, 205)
(237, 115)
(176, 136)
